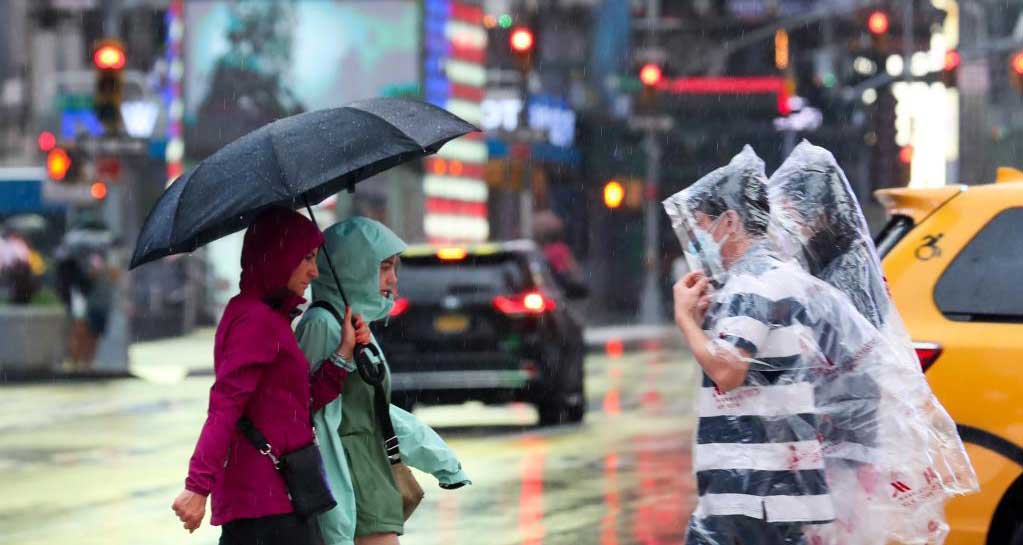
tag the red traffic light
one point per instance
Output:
(47, 141)
(521, 40)
(878, 22)
(1017, 63)
(109, 56)
(98, 191)
(906, 154)
(650, 75)
(952, 60)
(58, 163)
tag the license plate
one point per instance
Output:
(451, 323)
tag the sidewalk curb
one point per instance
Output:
(20, 377)
(616, 340)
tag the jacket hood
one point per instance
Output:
(356, 247)
(274, 245)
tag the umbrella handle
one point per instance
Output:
(367, 357)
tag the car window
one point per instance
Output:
(896, 229)
(983, 281)
(431, 279)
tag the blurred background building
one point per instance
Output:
(593, 110)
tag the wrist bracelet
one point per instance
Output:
(338, 359)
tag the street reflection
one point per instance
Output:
(620, 478)
(531, 507)
(612, 502)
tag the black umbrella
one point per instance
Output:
(293, 162)
(296, 161)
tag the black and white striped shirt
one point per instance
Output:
(759, 452)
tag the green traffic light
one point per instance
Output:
(505, 21)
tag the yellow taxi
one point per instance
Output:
(953, 257)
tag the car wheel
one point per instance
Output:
(567, 400)
(1007, 522)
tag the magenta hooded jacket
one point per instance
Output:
(260, 373)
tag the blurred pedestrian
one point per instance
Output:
(263, 377)
(18, 268)
(549, 233)
(86, 282)
(369, 490)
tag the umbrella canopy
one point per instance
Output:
(293, 162)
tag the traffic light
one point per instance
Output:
(781, 49)
(950, 71)
(58, 163)
(98, 190)
(63, 165)
(651, 75)
(109, 59)
(47, 141)
(614, 194)
(523, 44)
(1016, 71)
(906, 155)
(877, 25)
(878, 22)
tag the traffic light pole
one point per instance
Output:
(650, 301)
(907, 40)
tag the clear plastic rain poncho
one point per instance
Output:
(814, 446)
(817, 222)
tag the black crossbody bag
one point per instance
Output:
(302, 471)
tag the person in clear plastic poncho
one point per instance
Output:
(789, 410)
(918, 461)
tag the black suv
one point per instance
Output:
(487, 323)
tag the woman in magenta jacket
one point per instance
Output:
(262, 374)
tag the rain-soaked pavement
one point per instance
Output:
(100, 463)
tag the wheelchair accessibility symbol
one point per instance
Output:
(929, 249)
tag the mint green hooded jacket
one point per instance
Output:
(357, 246)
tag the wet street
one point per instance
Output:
(101, 462)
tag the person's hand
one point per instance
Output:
(190, 509)
(352, 335)
(692, 297)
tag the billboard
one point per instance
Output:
(249, 63)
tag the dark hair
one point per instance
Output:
(752, 206)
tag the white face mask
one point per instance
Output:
(704, 254)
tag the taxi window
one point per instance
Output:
(983, 282)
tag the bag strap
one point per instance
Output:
(325, 305)
(258, 440)
(383, 411)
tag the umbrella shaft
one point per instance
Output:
(326, 254)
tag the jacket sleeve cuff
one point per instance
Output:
(192, 486)
(452, 481)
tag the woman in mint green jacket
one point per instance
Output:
(369, 511)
